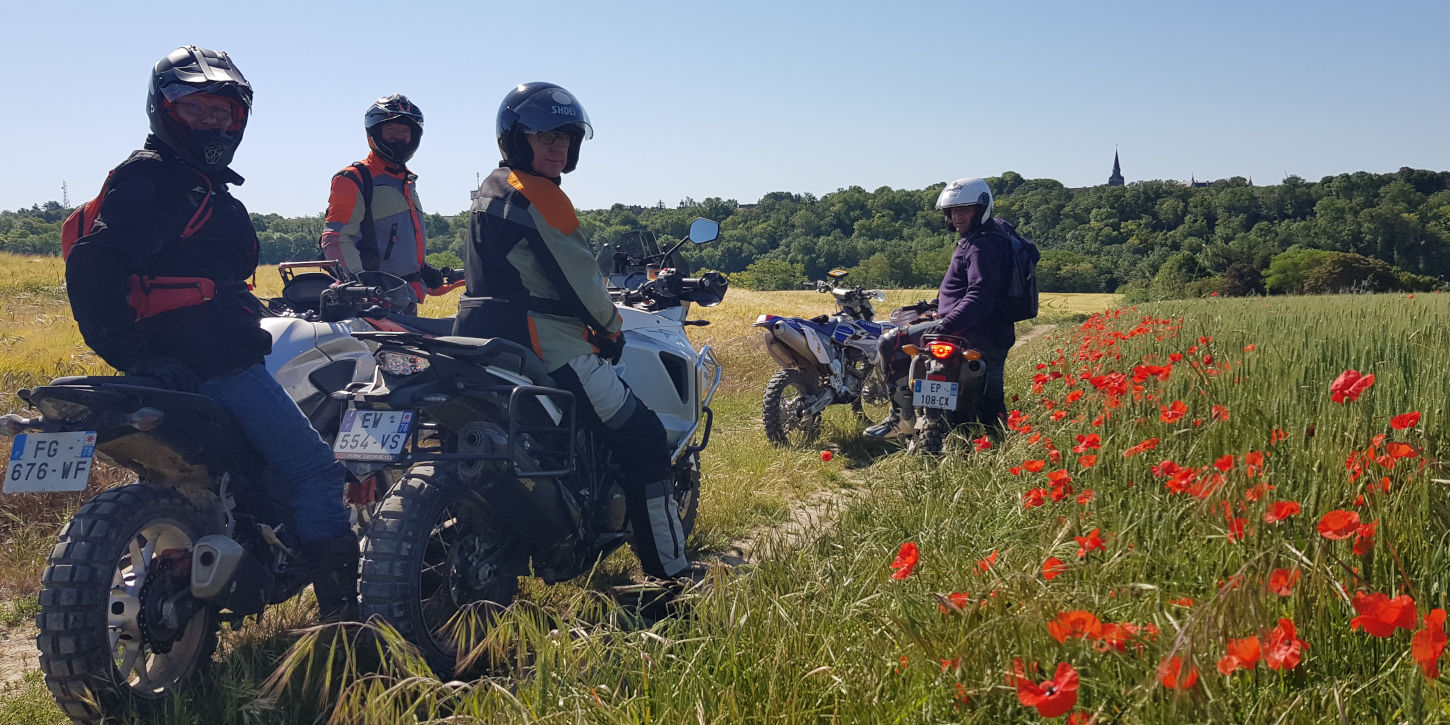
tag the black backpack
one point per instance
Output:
(1019, 299)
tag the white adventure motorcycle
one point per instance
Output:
(501, 481)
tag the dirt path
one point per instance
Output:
(17, 652)
(818, 510)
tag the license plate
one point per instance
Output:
(934, 394)
(50, 462)
(372, 435)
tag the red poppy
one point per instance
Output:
(1338, 524)
(1015, 470)
(1428, 644)
(1171, 674)
(1235, 528)
(1280, 510)
(986, 563)
(1253, 463)
(1087, 461)
(1349, 385)
(1088, 543)
(1218, 412)
(1401, 450)
(1380, 616)
(982, 443)
(1285, 647)
(1082, 717)
(1182, 601)
(905, 561)
(1406, 420)
(1073, 396)
(1224, 463)
(1053, 697)
(956, 599)
(1034, 497)
(1172, 412)
(1085, 496)
(1087, 442)
(1052, 568)
(1276, 436)
(1254, 493)
(1364, 538)
(1241, 654)
(1034, 466)
(1282, 581)
(1077, 624)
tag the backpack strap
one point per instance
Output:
(367, 246)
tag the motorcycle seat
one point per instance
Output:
(434, 326)
(506, 354)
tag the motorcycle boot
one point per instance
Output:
(659, 536)
(901, 420)
(334, 567)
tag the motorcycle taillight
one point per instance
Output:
(941, 350)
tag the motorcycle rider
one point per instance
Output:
(967, 306)
(374, 220)
(159, 290)
(531, 277)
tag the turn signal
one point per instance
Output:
(910, 350)
(972, 354)
(941, 350)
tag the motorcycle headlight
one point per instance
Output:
(398, 363)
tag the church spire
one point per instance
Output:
(1117, 178)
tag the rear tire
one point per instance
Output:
(786, 396)
(434, 549)
(932, 437)
(100, 657)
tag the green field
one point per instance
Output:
(822, 632)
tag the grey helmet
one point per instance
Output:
(539, 107)
(396, 107)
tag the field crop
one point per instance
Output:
(1198, 516)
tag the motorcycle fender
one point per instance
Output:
(224, 574)
(806, 343)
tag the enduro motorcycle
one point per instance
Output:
(501, 480)
(144, 574)
(314, 352)
(946, 381)
(825, 360)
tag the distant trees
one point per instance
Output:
(1149, 239)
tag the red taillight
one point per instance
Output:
(941, 350)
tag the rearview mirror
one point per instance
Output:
(837, 273)
(704, 230)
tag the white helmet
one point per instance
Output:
(965, 192)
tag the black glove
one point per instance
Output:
(610, 347)
(431, 277)
(171, 372)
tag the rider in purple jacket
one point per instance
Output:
(967, 305)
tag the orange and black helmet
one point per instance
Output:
(539, 107)
(188, 70)
(396, 107)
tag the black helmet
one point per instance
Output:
(396, 107)
(189, 70)
(539, 107)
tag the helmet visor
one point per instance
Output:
(552, 109)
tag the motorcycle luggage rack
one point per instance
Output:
(525, 441)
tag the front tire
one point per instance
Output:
(787, 396)
(433, 550)
(101, 655)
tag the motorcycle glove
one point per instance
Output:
(431, 276)
(172, 373)
(610, 347)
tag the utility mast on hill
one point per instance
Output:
(64, 195)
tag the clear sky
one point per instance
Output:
(736, 99)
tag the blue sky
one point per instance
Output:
(738, 99)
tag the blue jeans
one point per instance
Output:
(303, 464)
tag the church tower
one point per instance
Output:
(1117, 178)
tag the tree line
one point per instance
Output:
(1151, 239)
